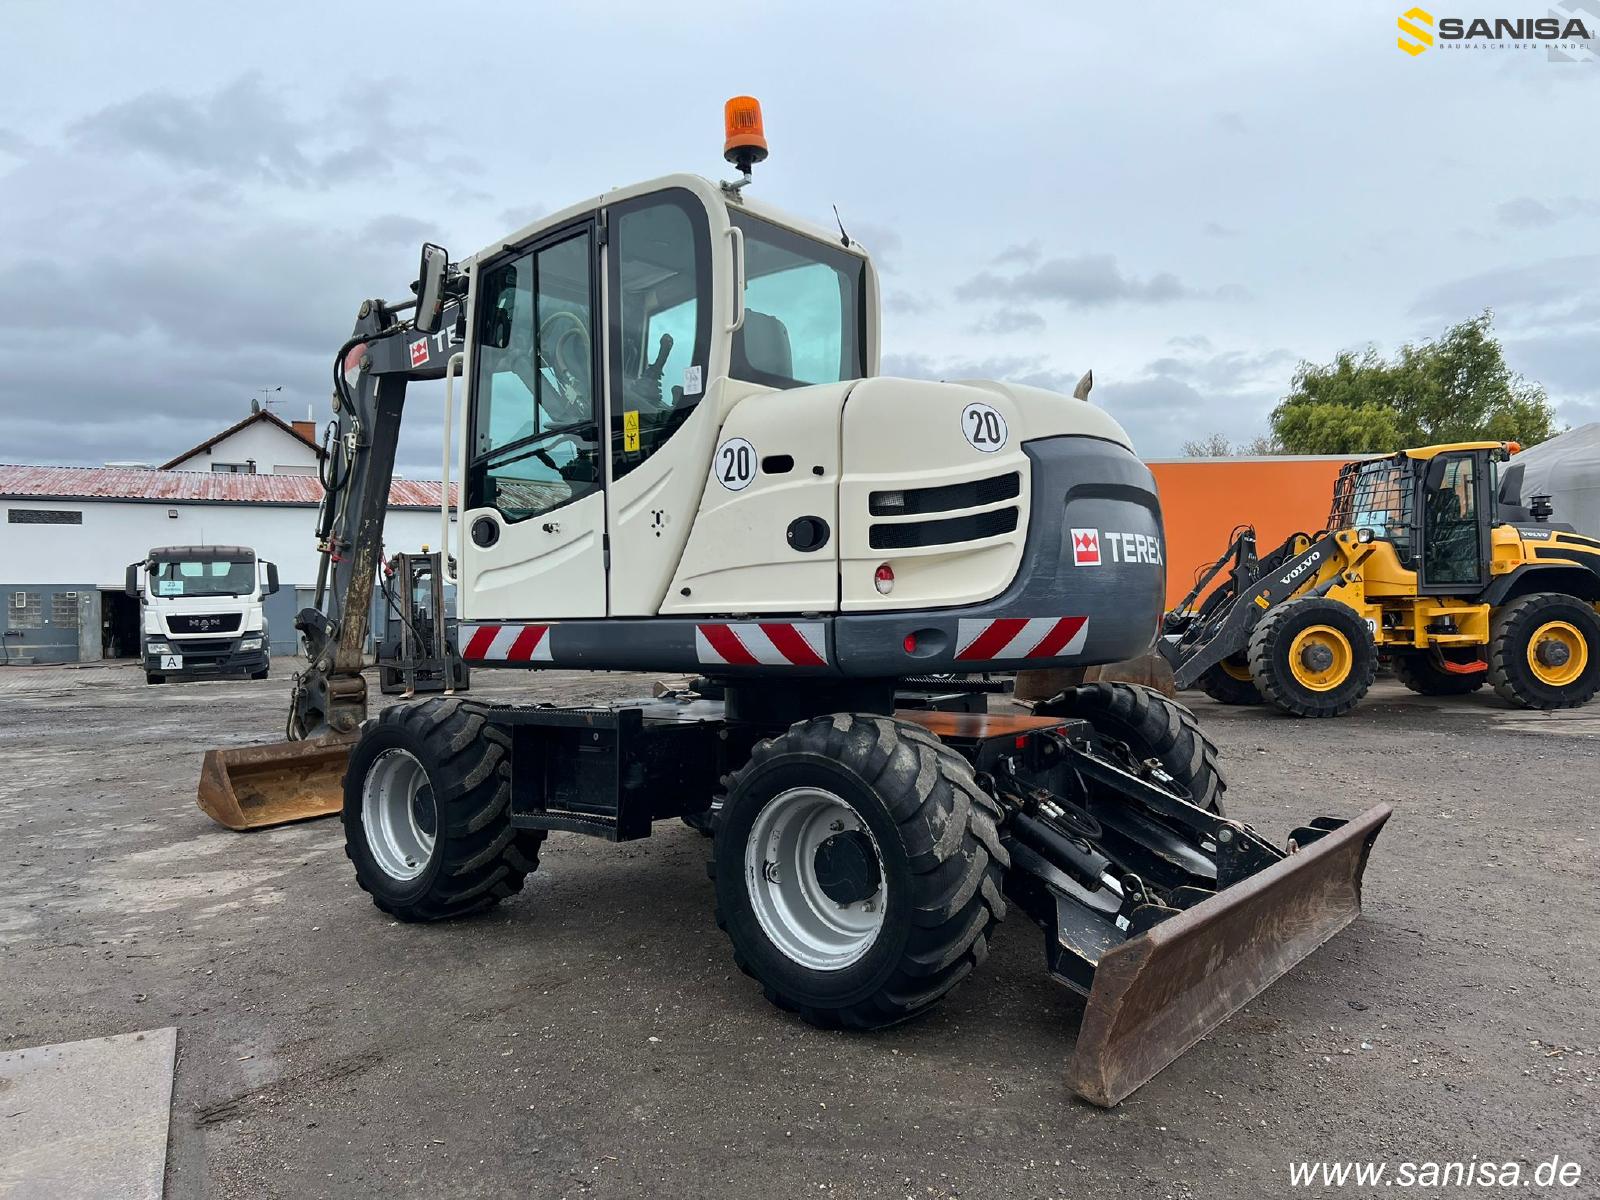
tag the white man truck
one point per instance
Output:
(201, 611)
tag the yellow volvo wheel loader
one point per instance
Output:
(678, 456)
(1431, 561)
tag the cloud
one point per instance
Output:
(881, 241)
(1524, 212)
(1520, 295)
(1026, 253)
(1010, 320)
(1087, 281)
(908, 303)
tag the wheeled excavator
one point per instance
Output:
(677, 455)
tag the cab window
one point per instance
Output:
(535, 440)
(660, 276)
(1451, 535)
(803, 309)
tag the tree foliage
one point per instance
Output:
(1217, 445)
(1455, 389)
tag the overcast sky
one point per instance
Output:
(195, 197)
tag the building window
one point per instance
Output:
(26, 610)
(64, 610)
(244, 468)
(44, 516)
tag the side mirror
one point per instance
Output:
(130, 580)
(272, 578)
(430, 287)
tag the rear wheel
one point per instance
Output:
(1428, 674)
(151, 677)
(1152, 727)
(427, 812)
(1229, 682)
(1545, 651)
(858, 869)
(1313, 657)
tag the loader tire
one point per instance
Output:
(1313, 657)
(1152, 727)
(887, 854)
(1229, 682)
(1420, 672)
(427, 812)
(1544, 651)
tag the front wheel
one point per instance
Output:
(858, 870)
(1544, 651)
(427, 812)
(1313, 657)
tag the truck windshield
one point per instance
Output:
(1377, 494)
(803, 309)
(202, 577)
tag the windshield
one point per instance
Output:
(202, 577)
(802, 309)
(1376, 495)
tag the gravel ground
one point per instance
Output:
(592, 1037)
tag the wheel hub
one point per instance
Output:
(398, 814)
(1553, 653)
(1317, 657)
(814, 874)
(847, 868)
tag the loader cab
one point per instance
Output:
(605, 347)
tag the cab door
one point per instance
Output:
(660, 302)
(1455, 531)
(534, 510)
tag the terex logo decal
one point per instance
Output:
(1089, 544)
(419, 352)
(1086, 547)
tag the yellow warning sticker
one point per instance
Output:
(630, 431)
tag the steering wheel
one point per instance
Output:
(561, 377)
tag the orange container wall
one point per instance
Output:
(1203, 500)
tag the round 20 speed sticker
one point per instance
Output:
(984, 427)
(734, 464)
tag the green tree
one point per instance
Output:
(1455, 389)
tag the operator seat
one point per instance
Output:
(766, 345)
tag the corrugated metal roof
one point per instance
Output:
(125, 483)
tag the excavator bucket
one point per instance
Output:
(255, 787)
(1157, 994)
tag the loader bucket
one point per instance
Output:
(254, 787)
(1157, 994)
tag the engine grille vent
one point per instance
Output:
(906, 535)
(915, 501)
(207, 646)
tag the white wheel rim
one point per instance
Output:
(398, 814)
(781, 878)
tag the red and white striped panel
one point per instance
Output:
(505, 643)
(762, 643)
(1020, 637)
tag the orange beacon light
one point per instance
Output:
(746, 142)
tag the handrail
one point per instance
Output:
(451, 368)
(736, 236)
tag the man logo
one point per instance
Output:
(1412, 22)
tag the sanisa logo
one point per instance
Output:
(1566, 36)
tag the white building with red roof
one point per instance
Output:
(70, 532)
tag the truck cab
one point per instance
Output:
(201, 611)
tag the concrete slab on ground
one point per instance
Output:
(87, 1119)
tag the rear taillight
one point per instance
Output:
(883, 579)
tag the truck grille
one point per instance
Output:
(915, 501)
(204, 622)
(906, 535)
(202, 646)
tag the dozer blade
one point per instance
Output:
(1157, 994)
(254, 787)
